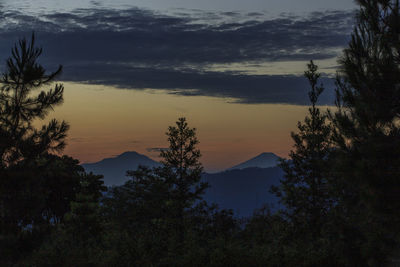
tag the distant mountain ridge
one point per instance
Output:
(264, 160)
(114, 169)
(242, 188)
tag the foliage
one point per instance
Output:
(77, 241)
(31, 179)
(35, 196)
(367, 134)
(304, 190)
(160, 212)
(340, 189)
(19, 108)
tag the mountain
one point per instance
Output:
(264, 160)
(243, 190)
(114, 169)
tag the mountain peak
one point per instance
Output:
(128, 154)
(263, 160)
(266, 154)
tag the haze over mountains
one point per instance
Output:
(243, 187)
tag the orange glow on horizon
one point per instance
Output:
(106, 121)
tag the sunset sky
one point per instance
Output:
(232, 67)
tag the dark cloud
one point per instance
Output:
(244, 88)
(138, 48)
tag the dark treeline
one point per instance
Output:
(341, 188)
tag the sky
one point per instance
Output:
(271, 6)
(233, 68)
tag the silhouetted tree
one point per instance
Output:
(304, 188)
(367, 136)
(268, 240)
(19, 108)
(78, 240)
(182, 169)
(35, 197)
(160, 210)
(26, 187)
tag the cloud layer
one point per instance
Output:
(140, 49)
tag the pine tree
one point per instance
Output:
(304, 188)
(155, 206)
(24, 149)
(19, 108)
(367, 134)
(181, 166)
